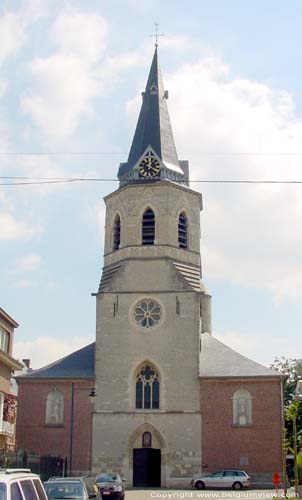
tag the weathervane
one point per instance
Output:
(156, 34)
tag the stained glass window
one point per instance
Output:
(147, 388)
(147, 313)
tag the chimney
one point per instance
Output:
(26, 361)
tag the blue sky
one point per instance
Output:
(70, 82)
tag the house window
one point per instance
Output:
(117, 233)
(148, 228)
(55, 408)
(4, 340)
(182, 231)
(242, 407)
(147, 388)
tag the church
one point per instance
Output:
(171, 401)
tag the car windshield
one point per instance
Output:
(63, 490)
(2, 491)
(106, 478)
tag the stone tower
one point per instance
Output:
(151, 311)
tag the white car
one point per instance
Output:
(20, 484)
(236, 479)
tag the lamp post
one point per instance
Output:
(92, 395)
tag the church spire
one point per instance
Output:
(153, 134)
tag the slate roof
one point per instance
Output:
(154, 126)
(79, 364)
(219, 360)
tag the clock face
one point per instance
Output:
(149, 167)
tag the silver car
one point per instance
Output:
(236, 479)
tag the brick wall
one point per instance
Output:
(33, 435)
(226, 446)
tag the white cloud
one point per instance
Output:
(44, 350)
(79, 33)
(262, 347)
(240, 129)
(29, 263)
(65, 83)
(11, 229)
(12, 35)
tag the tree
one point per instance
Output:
(293, 368)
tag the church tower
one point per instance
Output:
(151, 311)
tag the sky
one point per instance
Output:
(71, 73)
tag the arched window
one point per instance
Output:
(117, 233)
(147, 439)
(148, 228)
(54, 408)
(147, 388)
(242, 407)
(182, 231)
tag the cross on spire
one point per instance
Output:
(156, 35)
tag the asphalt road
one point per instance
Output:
(206, 495)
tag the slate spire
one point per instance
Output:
(154, 127)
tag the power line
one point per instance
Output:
(25, 181)
(121, 153)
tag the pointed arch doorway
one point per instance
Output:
(146, 467)
(148, 453)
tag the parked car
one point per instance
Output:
(111, 486)
(21, 484)
(236, 479)
(59, 488)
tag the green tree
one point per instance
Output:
(293, 368)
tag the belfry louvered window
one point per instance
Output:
(148, 228)
(117, 233)
(182, 231)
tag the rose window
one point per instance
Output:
(147, 313)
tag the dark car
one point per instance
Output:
(111, 486)
(73, 488)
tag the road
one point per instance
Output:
(206, 495)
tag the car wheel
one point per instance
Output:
(237, 486)
(199, 485)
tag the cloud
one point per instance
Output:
(65, 82)
(29, 263)
(44, 350)
(242, 129)
(262, 347)
(11, 229)
(12, 35)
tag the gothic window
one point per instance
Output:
(54, 408)
(147, 313)
(148, 228)
(182, 231)
(117, 233)
(147, 388)
(242, 407)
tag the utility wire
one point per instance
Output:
(25, 181)
(121, 153)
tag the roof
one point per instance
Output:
(154, 127)
(219, 360)
(8, 318)
(79, 364)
